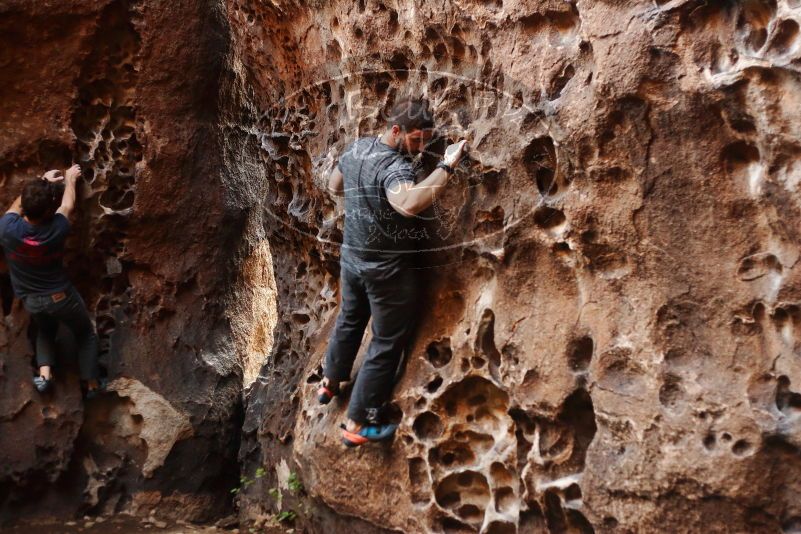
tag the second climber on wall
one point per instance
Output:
(33, 233)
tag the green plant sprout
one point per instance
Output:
(286, 516)
(244, 481)
(294, 483)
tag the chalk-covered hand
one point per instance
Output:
(53, 176)
(73, 173)
(454, 153)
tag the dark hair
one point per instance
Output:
(410, 114)
(39, 201)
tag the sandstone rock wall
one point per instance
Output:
(129, 90)
(609, 339)
(610, 335)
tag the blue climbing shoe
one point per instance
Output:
(368, 433)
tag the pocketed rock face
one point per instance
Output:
(610, 334)
(609, 338)
(153, 251)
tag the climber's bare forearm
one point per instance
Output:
(16, 206)
(410, 200)
(68, 200)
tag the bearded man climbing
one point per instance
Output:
(382, 199)
(33, 232)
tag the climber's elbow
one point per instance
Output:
(404, 201)
(336, 182)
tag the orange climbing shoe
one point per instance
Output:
(368, 433)
(325, 393)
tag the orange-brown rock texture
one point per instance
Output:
(129, 91)
(610, 339)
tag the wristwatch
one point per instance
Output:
(443, 165)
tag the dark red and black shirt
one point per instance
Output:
(34, 254)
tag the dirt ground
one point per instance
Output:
(117, 525)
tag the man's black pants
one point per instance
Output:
(67, 307)
(392, 302)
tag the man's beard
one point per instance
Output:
(405, 152)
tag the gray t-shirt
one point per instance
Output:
(378, 241)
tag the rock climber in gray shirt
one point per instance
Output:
(381, 202)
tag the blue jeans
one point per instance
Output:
(64, 307)
(393, 305)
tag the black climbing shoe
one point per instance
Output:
(41, 384)
(102, 384)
